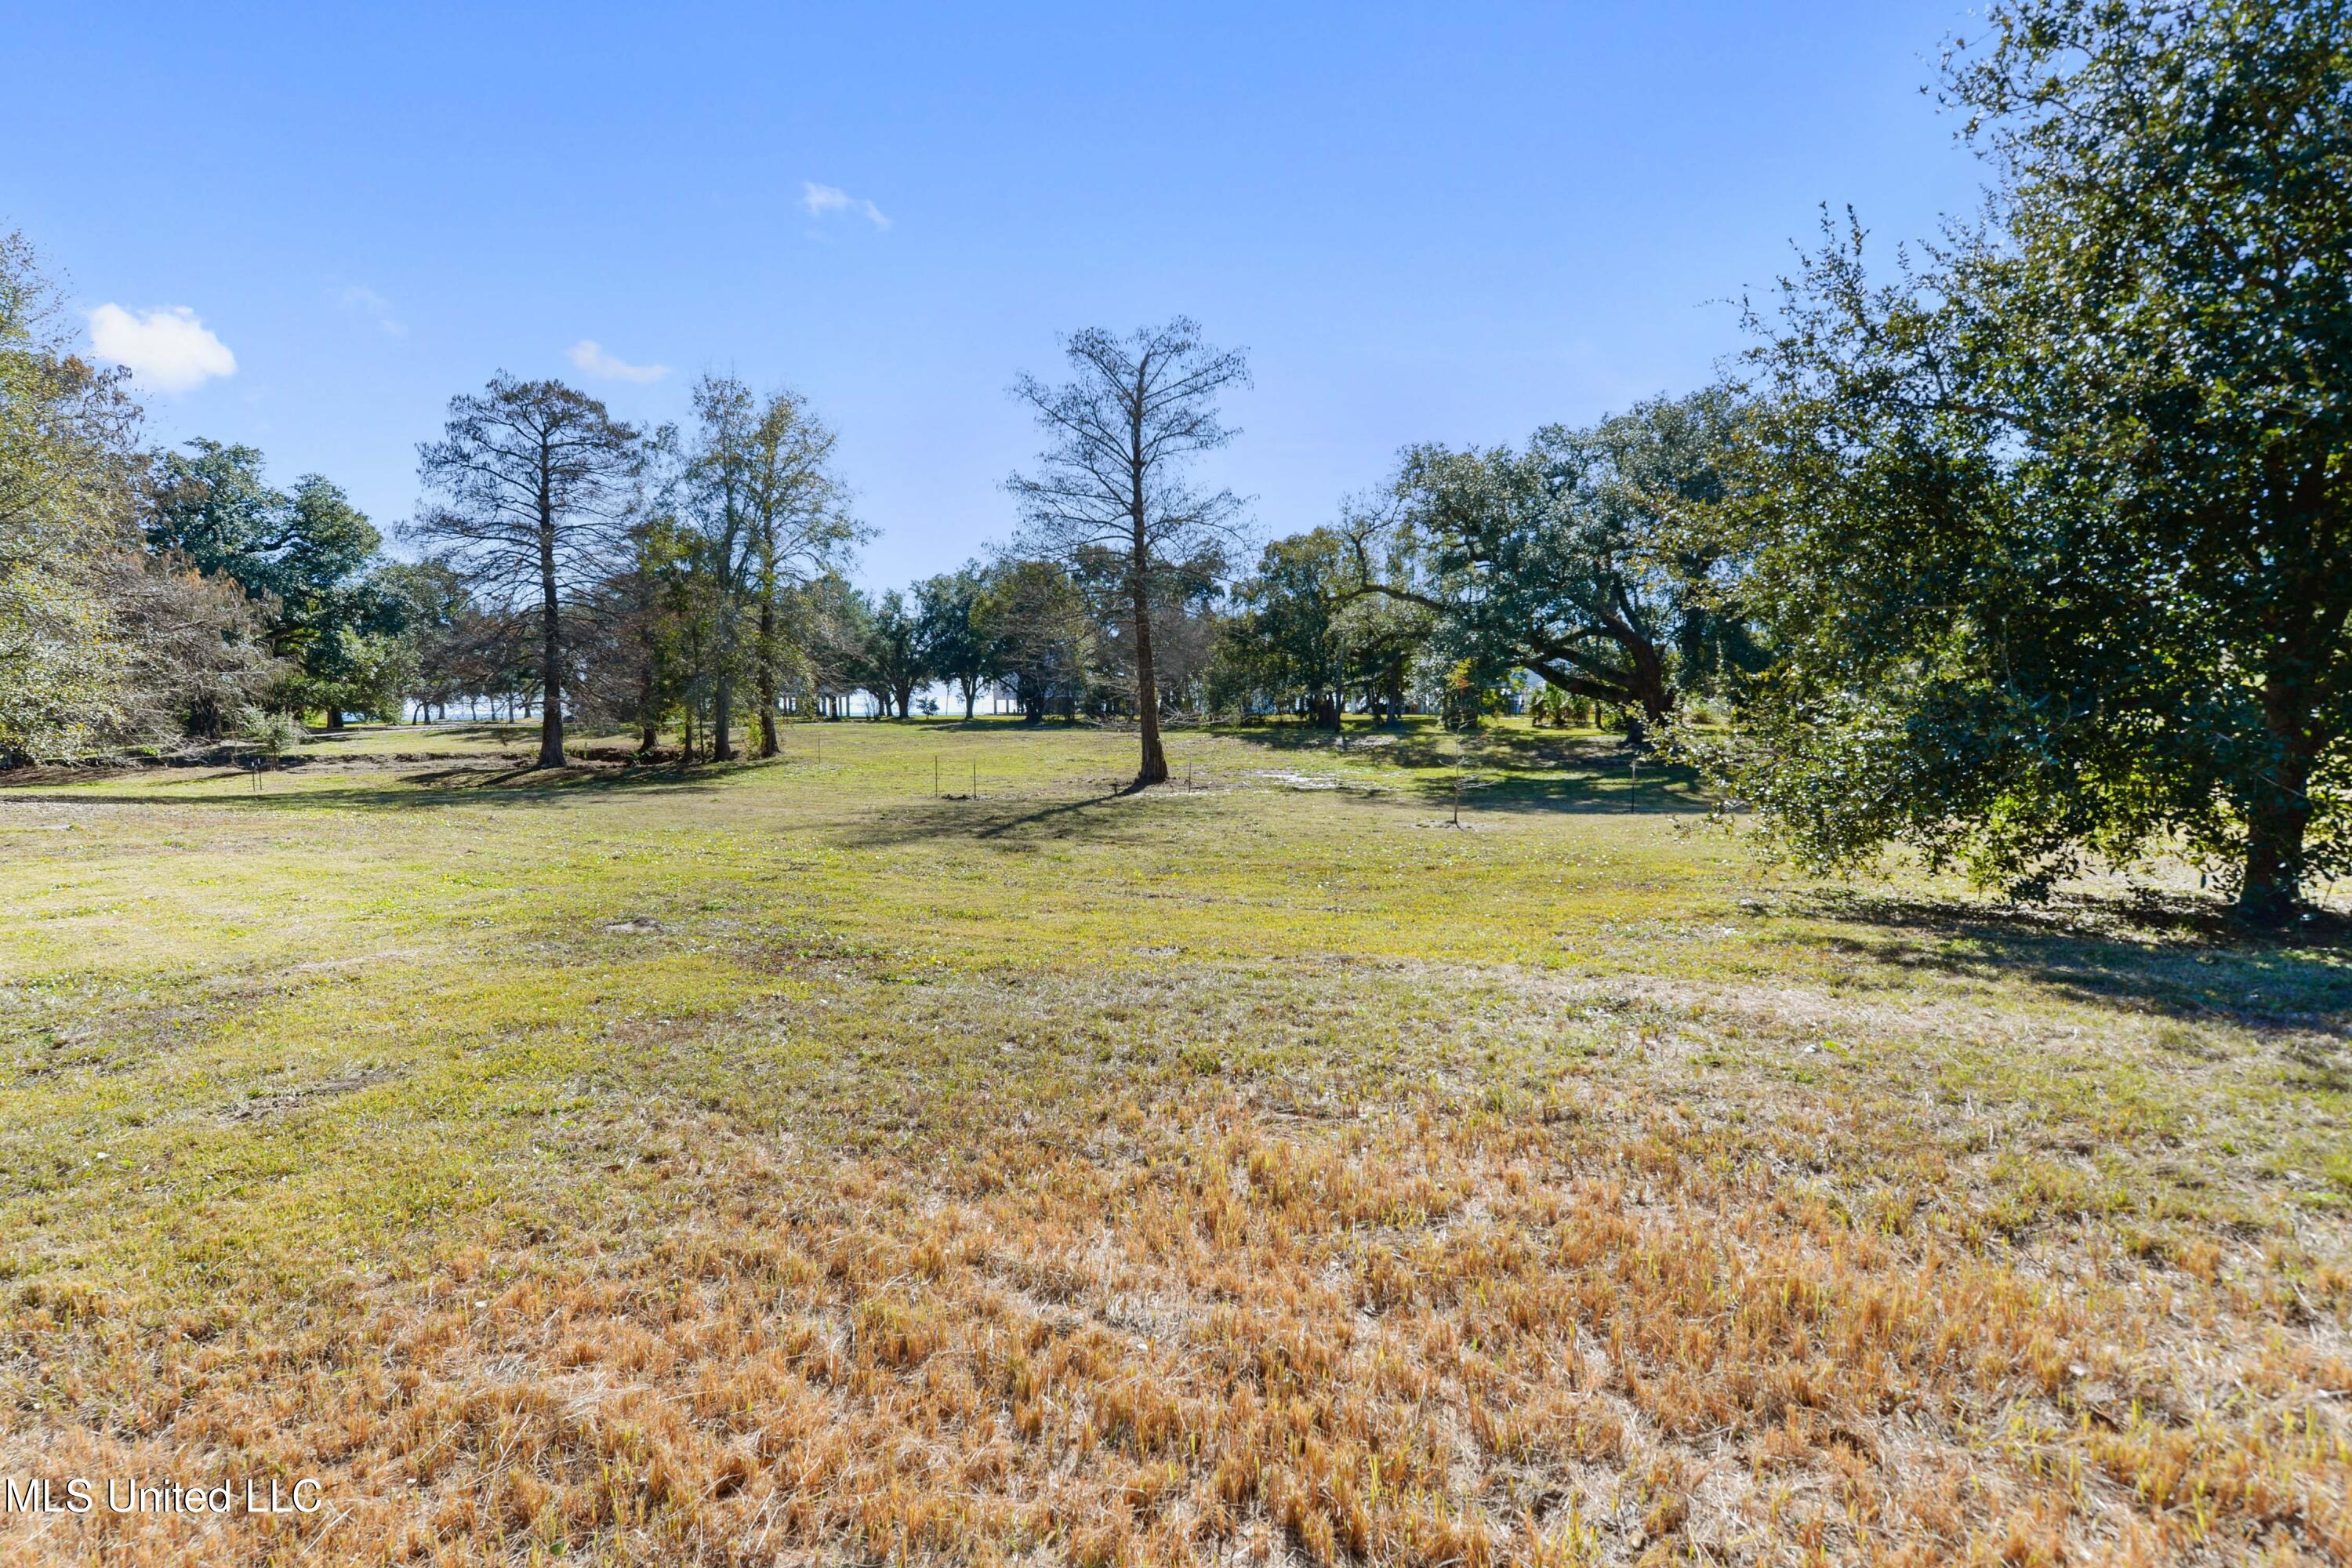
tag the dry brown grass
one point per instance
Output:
(1600, 1331)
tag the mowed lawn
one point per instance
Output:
(804, 1162)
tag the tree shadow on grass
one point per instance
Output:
(456, 785)
(1007, 822)
(1421, 743)
(496, 731)
(2181, 957)
(1513, 770)
(1669, 793)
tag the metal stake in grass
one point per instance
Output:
(975, 781)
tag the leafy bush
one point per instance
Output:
(268, 731)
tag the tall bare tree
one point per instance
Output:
(1111, 478)
(536, 488)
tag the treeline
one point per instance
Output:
(148, 596)
(2030, 553)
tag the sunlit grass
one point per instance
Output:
(809, 1157)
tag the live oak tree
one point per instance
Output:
(1121, 433)
(1033, 618)
(1593, 558)
(1300, 627)
(955, 644)
(2052, 532)
(830, 622)
(891, 652)
(536, 484)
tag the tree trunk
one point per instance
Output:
(767, 683)
(1154, 770)
(2276, 821)
(2274, 875)
(648, 720)
(550, 650)
(722, 712)
(334, 718)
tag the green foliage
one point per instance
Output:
(890, 655)
(1470, 695)
(268, 730)
(369, 675)
(955, 644)
(1593, 559)
(722, 610)
(301, 555)
(1309, 628)
(2052, 535)
(65, 466)
(444, 635)
(1034, 618)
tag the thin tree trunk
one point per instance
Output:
(1154, 770)
(768, 747)
(648, 722)
(550, 712)
(722, 703)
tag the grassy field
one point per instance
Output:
(805, 1160)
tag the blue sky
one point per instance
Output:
(1425, 223)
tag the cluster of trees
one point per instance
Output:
(2037, 552)
(148, 595)
(1597, 560)
(678, 575)
(693, 578)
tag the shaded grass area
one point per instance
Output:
(754, 1164)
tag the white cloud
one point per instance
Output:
(590, 355)
(168, 350)
(361, 298)
(822, 199)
